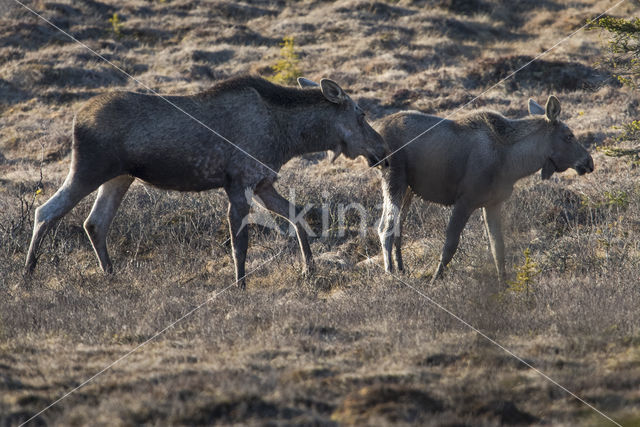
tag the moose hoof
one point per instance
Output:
(437, 275)
(501, 285)
(29, 266)
(309, 271)
(107, 270)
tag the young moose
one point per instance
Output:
(469, 163)
(120, 136)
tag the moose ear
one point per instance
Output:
(302, 82)
(535, 108)
(552, 109)
(332, 91)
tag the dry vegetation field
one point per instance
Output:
(349, 345)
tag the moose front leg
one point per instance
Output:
(394, 191)
(273, 201)
(492, 221)
(404, 209)
(458, 220)
(385, 232)
(238, 210)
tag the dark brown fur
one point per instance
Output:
(270, 92)
(234, 136)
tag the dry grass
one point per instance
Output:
(349, 345)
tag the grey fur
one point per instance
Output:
(469, 163)
(120, 136)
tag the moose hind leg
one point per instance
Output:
(237, 212)
(110, 195)
(72, 191)
(273, 201)
(458, 220)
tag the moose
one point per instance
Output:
(472, 162)
(235, 136)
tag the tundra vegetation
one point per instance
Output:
(350, 344)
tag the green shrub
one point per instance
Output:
(624, 48)
(525, 274)
(286, 69)
(623, 59)
(630, 131)
(116, 25)
(615, 199)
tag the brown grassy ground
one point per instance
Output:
(349, 345)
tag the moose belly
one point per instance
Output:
(435, 194)
(182, 174)
(434, 183)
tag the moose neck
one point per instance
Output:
(309, 130)
(530, 151)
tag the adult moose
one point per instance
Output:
(120, 136)
(469, 163)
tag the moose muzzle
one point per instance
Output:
(586, 166)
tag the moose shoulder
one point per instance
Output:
(470, 163)
(235, 136)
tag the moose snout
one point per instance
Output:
(382, 155)
(372, 159)
(585, 166)
(378, 159)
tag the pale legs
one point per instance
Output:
(110, 195)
